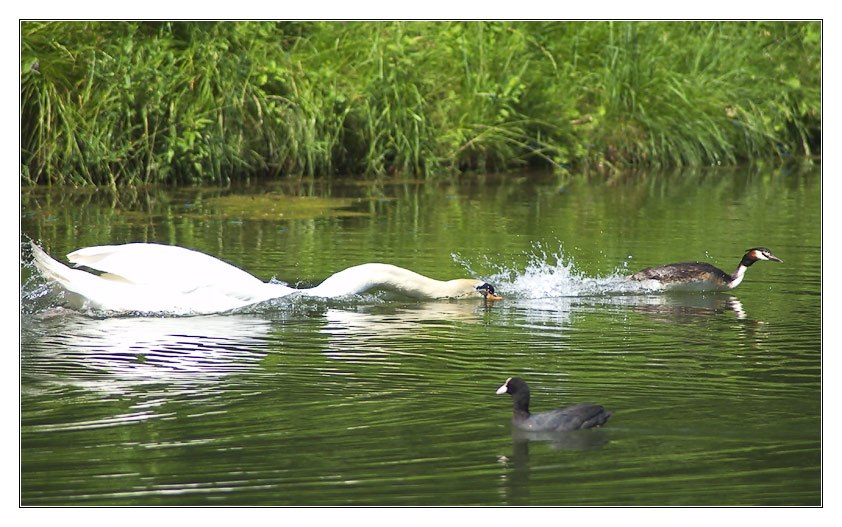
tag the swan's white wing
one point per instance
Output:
(162, 265)
(152, 277)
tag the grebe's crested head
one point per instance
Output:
(761, 253)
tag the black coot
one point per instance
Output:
(575, 417)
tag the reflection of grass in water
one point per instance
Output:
(280, 207)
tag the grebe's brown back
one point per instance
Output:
(701, 275)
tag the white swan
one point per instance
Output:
(149, 277)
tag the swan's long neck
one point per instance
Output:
(361, 278)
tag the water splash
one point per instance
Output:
(551, 274)
(36, 293)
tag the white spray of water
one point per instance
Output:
(552, 275)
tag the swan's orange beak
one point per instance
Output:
(487, 291)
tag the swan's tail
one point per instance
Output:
(48, 267)
(69, 279)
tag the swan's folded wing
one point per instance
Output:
(151, 277)
(163, 265)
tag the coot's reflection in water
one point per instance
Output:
(521, 469)
(565, 440)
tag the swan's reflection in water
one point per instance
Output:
(120, 352)
(380, 328)
(403, 317)
(117, 354)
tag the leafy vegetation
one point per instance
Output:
(143, 102)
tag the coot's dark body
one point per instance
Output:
(577, 417)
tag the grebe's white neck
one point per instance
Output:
(737, 277)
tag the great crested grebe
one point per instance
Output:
(149, 277)
(701, 275)
(577, 417)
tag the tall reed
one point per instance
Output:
(138, 103)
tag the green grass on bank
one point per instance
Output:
(136, 102)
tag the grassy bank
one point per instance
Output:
(114, 102)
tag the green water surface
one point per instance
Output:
(377, 400)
